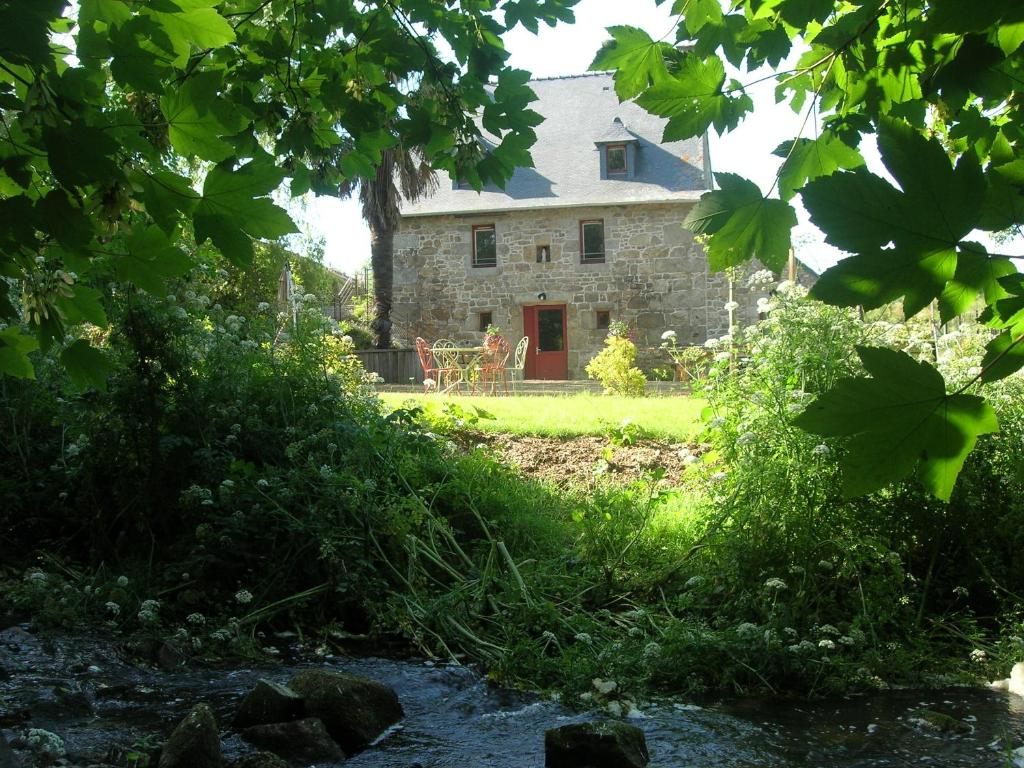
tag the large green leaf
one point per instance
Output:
(938, 204)
(874, 278)
(1004, 355)
(14, 353)
(899, 417)
(811, 158)
(693, 100)
(80, 155)
(200, 26)
(198, 118)
(698, 13)
(922, 223)
(151, 260)
(86, 366)
(742, 224)
(84, 305)
(638, 60)
(234, 209)
(977, 275)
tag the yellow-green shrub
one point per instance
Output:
(613, 367)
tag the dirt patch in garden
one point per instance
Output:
(578, 460)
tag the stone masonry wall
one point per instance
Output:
(655, 277)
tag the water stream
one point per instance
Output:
(80, 688)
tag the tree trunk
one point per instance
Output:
(382, 251)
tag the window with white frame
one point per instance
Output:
(485, 246)
(592, 241)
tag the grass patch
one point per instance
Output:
(668, 418)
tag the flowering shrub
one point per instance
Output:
(613, 367)
(691, 361)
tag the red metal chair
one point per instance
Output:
(428, 364)
(495, 364)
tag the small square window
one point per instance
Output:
(616, 158)
(485, 246)
(592, 241)
(486, 319)
(604, 319)
(543, 254)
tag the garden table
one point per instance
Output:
(459, 363)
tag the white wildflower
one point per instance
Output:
(821, 450)
(722, 357)
(45, 743)
(827, 644)
(765, 305)
(731, 306)
(694, 581)
(652, 650)
(762, 279)
(719, 477)
(668, 336)
(583, 637)
(262, 306)
(711, 344)
(196, 618)
(717, 422)
(746, 438)
(429, 383)
(748, 631)
(775, 584)
(604, 687)
(38, 578)
(112, 608)
(243, 596)
(263, 482)
(978, 656)
(122, 581)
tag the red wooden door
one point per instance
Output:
(547, 356)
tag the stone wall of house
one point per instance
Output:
(655, 277)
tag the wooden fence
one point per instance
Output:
(396, 366)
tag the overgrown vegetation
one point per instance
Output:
(192, 466)
(242, 442)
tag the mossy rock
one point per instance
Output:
(354, 710)
(606, 744)
(304, 742)
(260, 760)
(941, 723)
(269, 703)
(194, 743)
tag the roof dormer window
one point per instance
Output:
(617, 147)
(615, 157)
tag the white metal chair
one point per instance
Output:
(517, 372)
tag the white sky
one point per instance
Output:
(568, 50)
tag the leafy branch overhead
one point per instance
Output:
(937, 84)
(133, 132)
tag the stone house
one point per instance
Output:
(591, 234)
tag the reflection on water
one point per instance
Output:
(81, 689)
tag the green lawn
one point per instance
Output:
(673, 418)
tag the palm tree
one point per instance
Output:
(401, 175)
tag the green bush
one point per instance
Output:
(613, 367)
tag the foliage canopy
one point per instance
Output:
(937, 83)
(128, 126)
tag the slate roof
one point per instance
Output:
(580, 111)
